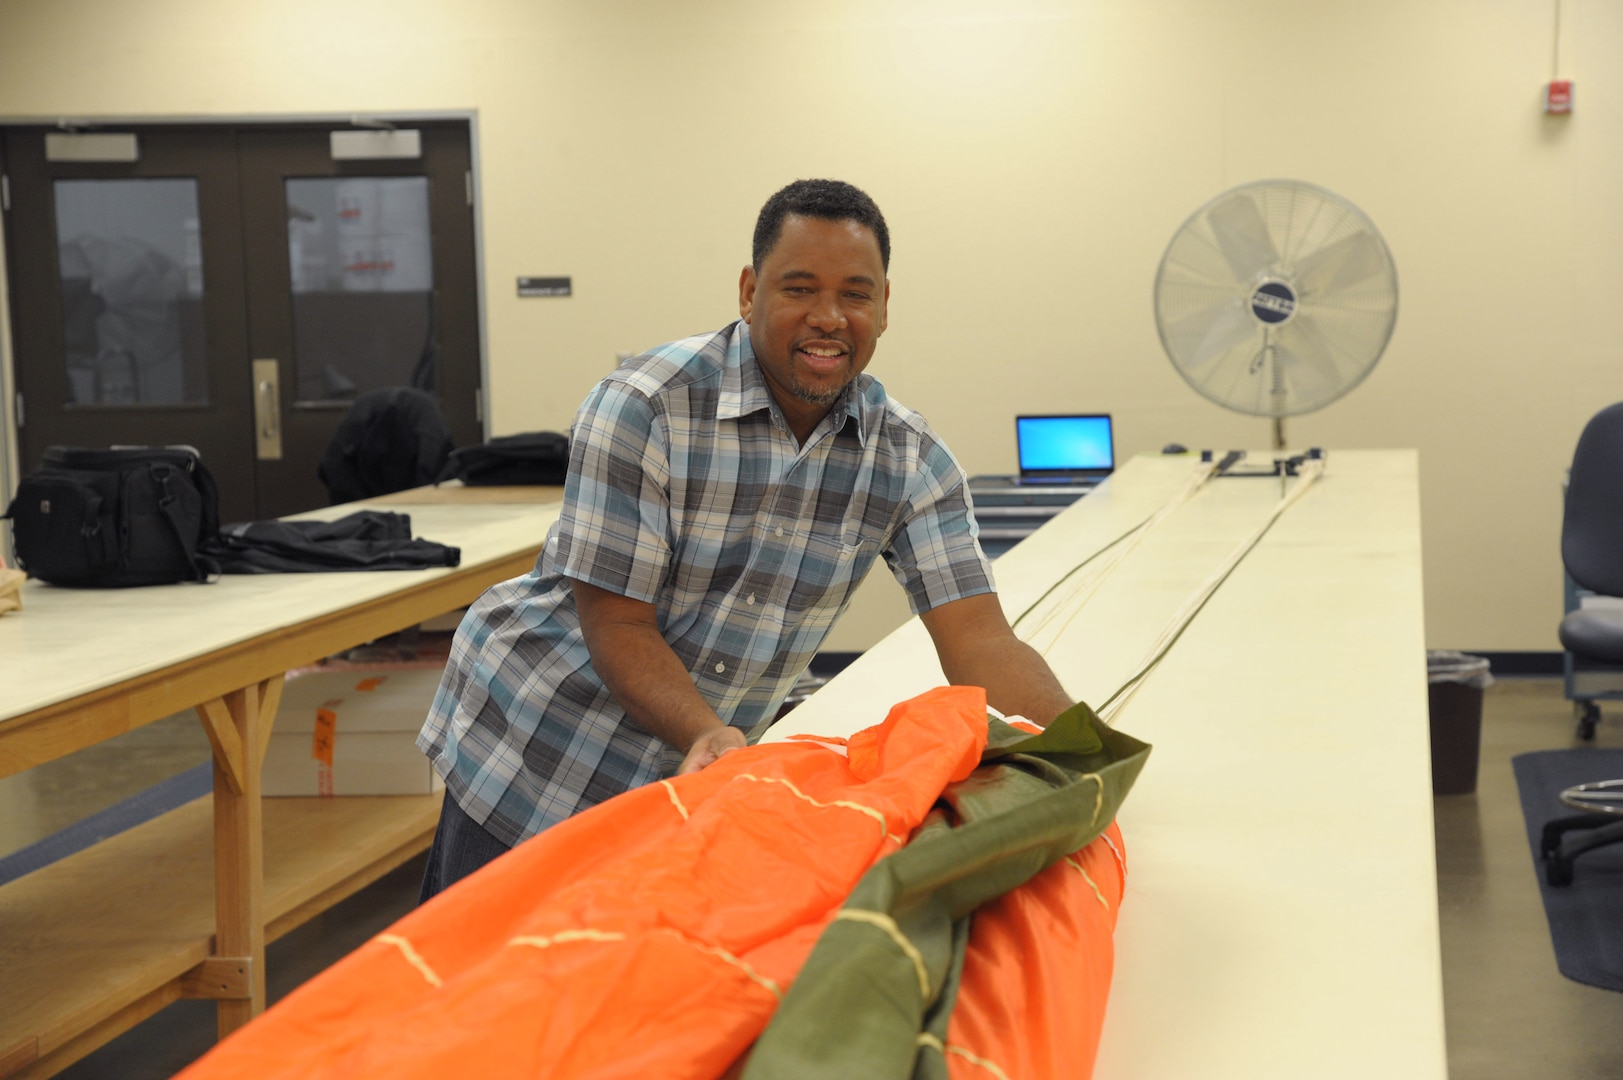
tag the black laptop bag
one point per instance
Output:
(116, 518)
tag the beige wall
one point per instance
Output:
(1033, 157)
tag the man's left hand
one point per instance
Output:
(709, 747)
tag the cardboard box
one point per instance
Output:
(352, 733)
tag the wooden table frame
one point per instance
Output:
(235, 691)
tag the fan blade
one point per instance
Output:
(1243, 236)
(1309, 370)
(1343, 263)
(1197, 339)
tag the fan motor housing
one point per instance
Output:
(1273, 303)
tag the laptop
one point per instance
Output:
(1074, 449)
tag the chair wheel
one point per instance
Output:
(1549, 843)
(1557, 871)
(1588, 719)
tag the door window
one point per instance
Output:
(361, 259)
(131, 266)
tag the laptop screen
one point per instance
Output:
(1065, 445)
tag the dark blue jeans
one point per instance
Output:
(461, 846)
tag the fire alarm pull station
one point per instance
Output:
(1558, 97)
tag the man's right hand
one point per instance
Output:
(707, 748)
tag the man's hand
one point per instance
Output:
(707, 748)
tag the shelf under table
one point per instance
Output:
(94, 943)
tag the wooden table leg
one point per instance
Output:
(239, 726)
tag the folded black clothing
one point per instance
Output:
(534, 457)
(364, 540)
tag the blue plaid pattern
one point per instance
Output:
(686, 490)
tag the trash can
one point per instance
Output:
(1455, 682)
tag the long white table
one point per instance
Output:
(1281, 909)
(95, 943)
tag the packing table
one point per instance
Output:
(97, 942)
(1281, 915)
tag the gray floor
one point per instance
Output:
(1510, 1013)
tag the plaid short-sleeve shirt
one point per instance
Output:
(688, 491)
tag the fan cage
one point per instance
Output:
(1329, 254)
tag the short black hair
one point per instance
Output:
(833, 200)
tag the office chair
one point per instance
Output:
(1592, 551)
(1600, 825)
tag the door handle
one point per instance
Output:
(267, 411)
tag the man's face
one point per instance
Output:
(815, 313)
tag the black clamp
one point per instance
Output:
(1279, 466)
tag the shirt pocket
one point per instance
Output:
(832, 563)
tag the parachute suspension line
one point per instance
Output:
(1116, 551)
(1202, 474)
(1068, 575)
(1310, 471)
(1018, 619)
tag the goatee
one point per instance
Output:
(823, 399)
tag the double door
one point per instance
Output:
(234, 288)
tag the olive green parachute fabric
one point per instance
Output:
(875, 996)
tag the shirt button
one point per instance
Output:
(750, 599)
(721, 669)
(778, 531)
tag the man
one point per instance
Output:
(726, 495)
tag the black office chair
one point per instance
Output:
(1600, 825)
(1592, 550)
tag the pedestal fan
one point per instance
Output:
(1276, 298)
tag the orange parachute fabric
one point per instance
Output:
(654, 935)
(1037, 971)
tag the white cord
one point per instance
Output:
(1087, 584)
(1310, 471)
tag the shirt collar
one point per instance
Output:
(743, 387)
(744, 390)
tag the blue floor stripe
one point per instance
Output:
(135, 810)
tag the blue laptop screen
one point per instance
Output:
(1063, 443)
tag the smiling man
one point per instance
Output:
(726, 495)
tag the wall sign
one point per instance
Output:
(544, 286)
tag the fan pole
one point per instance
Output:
(1277, 391)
